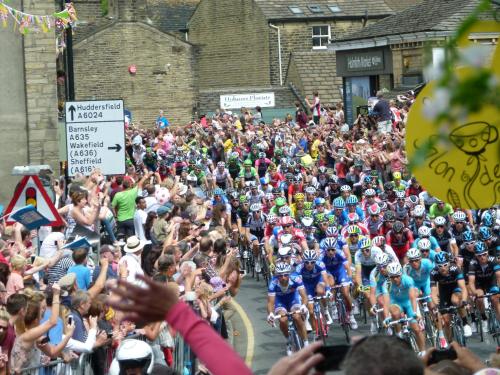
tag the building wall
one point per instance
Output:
(233, 43)
(407, 59)
(101, 71)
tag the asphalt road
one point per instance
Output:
(261, 345)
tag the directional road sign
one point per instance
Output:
(95, 136)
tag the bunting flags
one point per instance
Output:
(26, 23)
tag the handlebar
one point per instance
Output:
(487, 295)
(423, 298)
(399, 321)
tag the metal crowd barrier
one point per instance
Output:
(185, 361)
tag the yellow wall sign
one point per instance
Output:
(462, 164)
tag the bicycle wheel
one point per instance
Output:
(410, 338)
(458, 331)
(321, 327)
(257, 261)
(494, 326)
(295, 341)
(430, 329)
(264, 269)
(344, 319)
(479, 325)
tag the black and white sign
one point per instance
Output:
(95, 136)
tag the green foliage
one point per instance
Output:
(104, 7)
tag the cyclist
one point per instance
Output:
(388, 221)
(424, 245)
(338, 210)
(443, 236)
(296, 187)
(420, 271)
(314, 276)
(448, 289)
(255, 228)
(248, 173)
(459, 227)
(286, 293)
(308, 229)
(466, 252)
(379, 241)
(440, 208)
(403, 298)
(352, 207)
(338, 268)
(491, 242)
(373, 221)
(222, 177)
(484, 277)
(351, 243)
(400, 239)
(378, 291)
(418, 220)
(262, 163)
(425, 233)
(278, 203)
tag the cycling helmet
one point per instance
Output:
(345, 188)
(367, 179)
(332, 231)
(413, 199)
(480, 248)
(307, 222)
(235, 195)
(310, 190)
(459, 216)
(299, 196)
(383, 196)
(398, 227)
(330, 243)
(247, 163)
(374, 209)
(319, 201)
(276, 191)
(288, 176)
(364, 243)
(419, 210)
(286, 239)
(334, 179)
(382, 205)
(284, 211)
(439, 221)
(388, 186)
(243, 199)
(400, 195)
(272, 218)
(378, 241)
(396, 175)
(298, 178)
(332, 220)
(133, 353)
(308, 213)
(262, 155)
(441, 258)
(280, 201)
(485, 233)
(487, 219)
(308, 205)
(255, 207)
(353, 229)
(264, 180)
(269, 196)
(338, 203)
(389, 216)
(468, 236)
(382, 259)
(221, 164)
(310, 256)
(413, 254)
(218, 191)
(424, 244)
(322, 170)
(394, 269)
(370, 193)
(282, 268)
(286, 220)
(423, 231)
(321, 217)
(351, 200)
(352, 217)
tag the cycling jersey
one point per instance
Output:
(367, 263)
(287, 297)
(444, 239)
(221, 177)
(248, 175)
(400, 294)
(447, 284)
(401, 245)
(358, 211)
(422, 276)
(311, 278)
(262, 165)
(467, 257)
(485, 274)
(257, 226)
(373, 226)
(335, 266)
(377, 281)
(458, 235)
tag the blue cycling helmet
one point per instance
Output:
(332, 231)
(351, 200)
(264, 181)
(310, 256)
(487, 219)
(480, 248)
(282, 268)
(441, 258)
(485, 233)
(468, 236)
(218, 191)
(318, 201)
(330, 243)
(364, 242)
(338, 203)
(276, 230)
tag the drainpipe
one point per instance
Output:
(279, 51)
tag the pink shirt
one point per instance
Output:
(209, 347)
(15, 283)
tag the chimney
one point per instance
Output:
(131, 10)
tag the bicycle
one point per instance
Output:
(493, 323)
(247, 258)
(429, 326)
(456, 325)
(294, 340)
(406, 333)
(264, 264)
(321, 328)
(361, 301)
(343, 317)
(379, 320)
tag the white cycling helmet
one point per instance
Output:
(307, 221)
(459, 216)
(284, 251)
(439, 220)
(382, 259)
(282, 268)
(424, 244)
(133, 354)
(419, 210)
(413, 254)
(286, 238)
(394, 269)
(424, 231)
(255, 207)
(378, 241)
(345, 188)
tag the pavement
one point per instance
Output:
(261, 345)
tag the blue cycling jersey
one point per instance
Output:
(377, 281)
(422, 276)
(400, 293)
(313, 276)
(359, 211)
(290, 292)
(334, 263)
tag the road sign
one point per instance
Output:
(95, 136)
(30, 191)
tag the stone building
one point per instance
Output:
(249, 46)
(108, 46)
(28, 104)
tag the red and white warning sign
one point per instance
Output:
(31, 191)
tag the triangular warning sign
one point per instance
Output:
(31, 191)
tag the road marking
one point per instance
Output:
(250, 334)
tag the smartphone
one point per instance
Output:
(334, 355)
(45, 340)
(33, 257)
(70, 320)
(439, 355)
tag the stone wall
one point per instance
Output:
(232, 37)
(101, 71)
(406, 59)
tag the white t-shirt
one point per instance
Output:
(49, 244)
(140, 217)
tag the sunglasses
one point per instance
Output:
(394, 277)
(444, 265)
(287, 226)
(375, 215)
(469, 243)
(414, 260)
(283, 275)
(439, 226)
(482, 255)
(354, 235)
(309, 262)
(366, 250)
(424, 251)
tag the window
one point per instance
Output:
(295, 9)
(320, 36)
(334, 8)
(315, 8)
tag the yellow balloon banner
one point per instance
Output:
(457, 162)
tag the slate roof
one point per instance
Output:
(172, 15)
(430, 15)
(316, 71)
(279, 9)
(399, 5)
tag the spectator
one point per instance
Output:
(132, 258)
(80, 268)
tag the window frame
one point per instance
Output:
(321, 36)
(291, 7)
(315, 8)
(334, 8)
